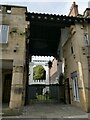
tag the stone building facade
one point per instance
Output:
(13, 54)
(76, 53)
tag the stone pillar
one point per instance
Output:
(88, 96)
(47, 75)
(16, 87)
(1, 86)
(31, 73)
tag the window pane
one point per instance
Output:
(77, 91)
(86, 38)
(4, 30)
(75, 86)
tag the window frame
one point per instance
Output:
(86, 39)
(8, 9)
(2, 32)
(0, 8)
(75, 88)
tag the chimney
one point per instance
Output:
(89, 4)
(87, 11)
(74, 10)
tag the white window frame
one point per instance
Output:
(75, 89)
(2, 28)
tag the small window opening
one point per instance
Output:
(0, 8)
(72, 49)
(8, 9)
(86, 39)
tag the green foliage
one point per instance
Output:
(39, 73)
(42, 97)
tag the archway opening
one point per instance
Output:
(39, 73)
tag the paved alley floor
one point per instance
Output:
(45, 111)
(52, 111)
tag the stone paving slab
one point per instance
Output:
(53, 111)
(50, 112)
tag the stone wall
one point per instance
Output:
(76, 60)
(15, 50)
(53, 71)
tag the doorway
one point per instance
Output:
(67, 91)
(6, 88)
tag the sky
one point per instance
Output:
(49, 6)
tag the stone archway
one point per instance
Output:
(34, 63)
(39, 73)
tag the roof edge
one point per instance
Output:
(5, 5)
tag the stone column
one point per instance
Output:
(16, 87)
(88, 93)
(31, 73)
(1, 86)
(47, 75)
